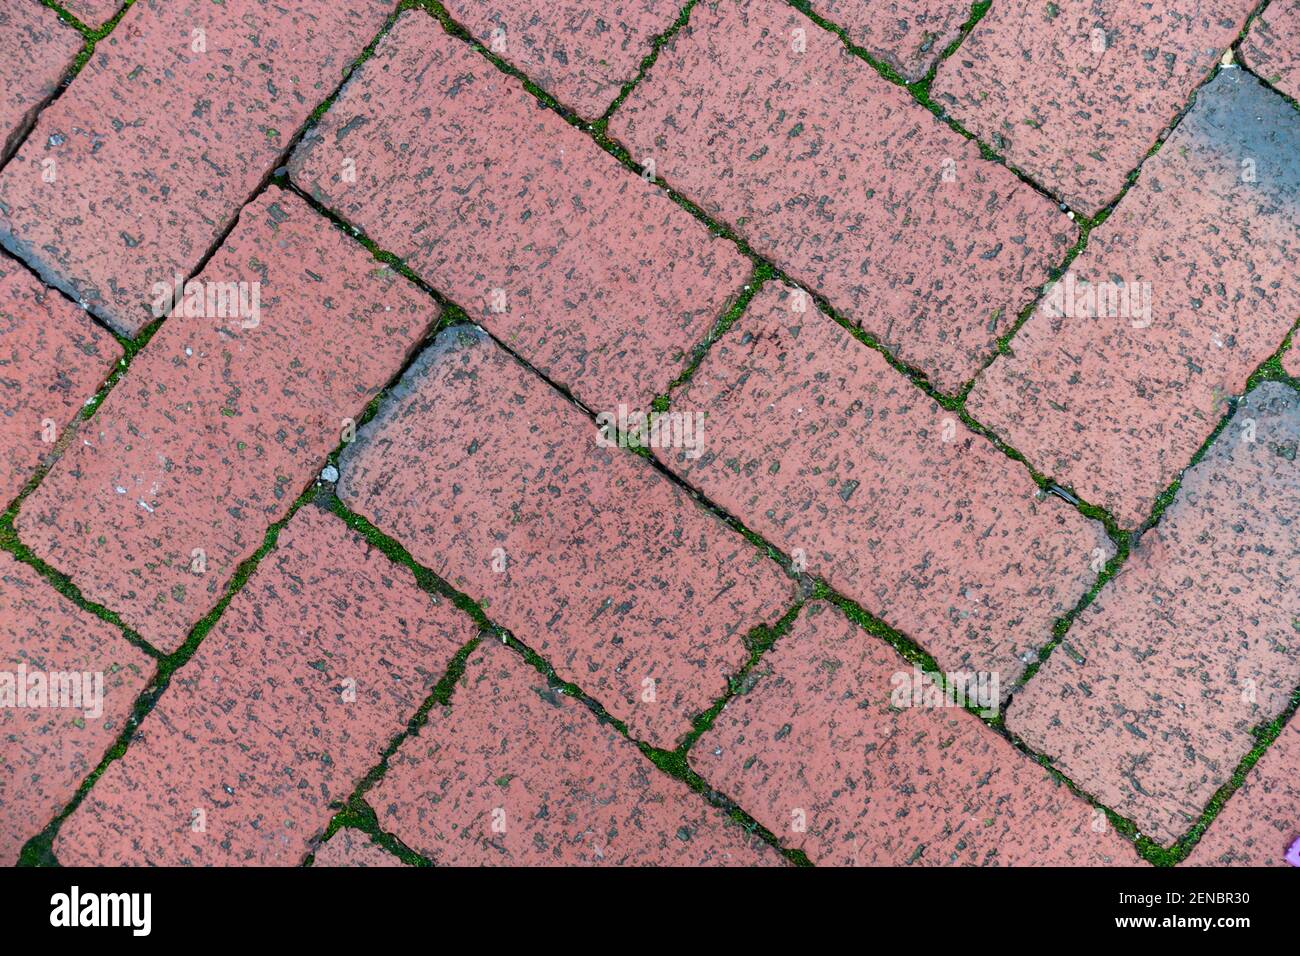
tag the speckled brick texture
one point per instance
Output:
(817, 752)
(515, 773)
(1261, 821)
(1076, 92)
(1150, 703)
(53, 358)
(315, 667)
(1199, 266)
(579, 52)
(597, 278)
(908, 35)
(93, 13)
(590, 557)
(36, 50)
(164, 135)
(815, 443)
(887, 212)
(1272, 47)
(1291, 360)
(220, 423)
(352, 848)
(47, 750)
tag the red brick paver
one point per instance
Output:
(52, 359)
(490, 478)
(1076, 92)
(93, 13)
(1261, 821)
(46, 751)
(1291, 359)
(162, 137)
(909, 35)
(579, 52)
(1150, 707)
(817, 753)
(221, 423)
(516, 773)
(814, 442)
(1272, 47)
(595, 277)
(36, 49)
(1115, 404)
(353, 848)
(886, 211)
(315, 666)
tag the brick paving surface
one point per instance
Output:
(1152, 704)
(1076, 92)
(1196, 273)
(884, 210)
(732, 433)
(36, 49)
(515, 773)
(1272, 47)
(49, 750)
(317, 665)
(52, 360)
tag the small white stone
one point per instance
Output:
(330, 474)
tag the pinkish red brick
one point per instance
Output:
(1291, 359)
(1116, 405)
(155, 146)
(590, 557)
(580, 53)
(1076, 92)
(1261, 821)
(605, 282)
(218, 427)
(1150, 703)
(815, 443)
(909, 35)
(36, 49)
(1272, 47)
(52, 359)
(48, 751)
(828, 751)
(852, 203)
(515, 773)
(353, 848)
(93, 13)
(313, 669)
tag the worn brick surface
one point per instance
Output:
(217, 428)
(814, 442)
(290, 700)
(608, 570)
(909, 35)
(350, 847)
(1115, 405)
(1272, 47)
(36, 49)
(516, 773)
(93, 13)
(1075, 108)
(46, 751)
(580, 53)
(817, 754)
(1261, 821)
(605, 283)
(852, 203)
(1291, 360)
(52, 359)
(1151, 704)
(156, 146)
